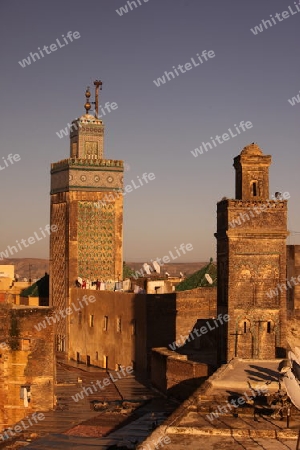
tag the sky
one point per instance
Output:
(250, 77)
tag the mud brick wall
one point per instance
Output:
(26, 359)
(174, 375)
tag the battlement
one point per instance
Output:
(80, 162)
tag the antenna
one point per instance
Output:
(156, 266)
(98, 85)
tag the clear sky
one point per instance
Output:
(154, 128)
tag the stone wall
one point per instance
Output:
(175, 375)
(293, 270)
(127, 326)
(26, 360)
(200, 303)
(109, 330)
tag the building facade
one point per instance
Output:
(251, 255)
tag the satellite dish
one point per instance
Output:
(297, 353)
(181, 275)
(208, 278)
(278, 195)
(156, 266)
(291, 380)
(146, 268)
(167, 273)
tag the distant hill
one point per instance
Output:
(39, 266)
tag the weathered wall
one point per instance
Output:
(200, 303)
(122, 339)
(171, 316)
(174, 374)
(26, 359)
(146, 321)
(251, 264)
(293, 270)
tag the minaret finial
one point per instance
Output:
(87, 103)
(98, 85)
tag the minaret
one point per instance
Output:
(251, 255)
(87, 207)
(252, 174)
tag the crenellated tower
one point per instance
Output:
(251, 254)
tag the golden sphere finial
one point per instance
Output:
(87, 107)
(87, 104)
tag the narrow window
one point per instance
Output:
(119, 329)
(105, 362)
(245, 327)
(91, 320)
(25, 394)
(105, 323)
(97, 356)
(269, 327)
(254, 189)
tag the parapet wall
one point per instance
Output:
(174, 374)
(26, 361)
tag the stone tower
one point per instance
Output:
(251, 254)
(87, 207)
